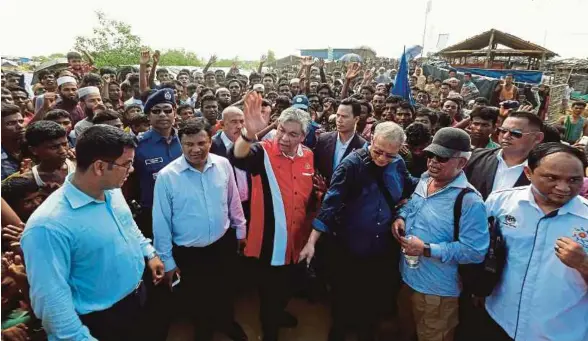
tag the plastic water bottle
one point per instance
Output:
(411, 261)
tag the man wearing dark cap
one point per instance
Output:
(301, 102)
(425, 231)
(157, 148)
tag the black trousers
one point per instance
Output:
(363, 288)
(491, 331)
(208, 283)
(123, 321)
(145, 222)
(276, 286)
(476, 324)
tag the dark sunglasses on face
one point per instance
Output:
(516, 133)
(158, 111)
(437, 157)
(380, 153)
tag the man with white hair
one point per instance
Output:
(90, 102)
(282, 172)
(425, 229)
(356, 213)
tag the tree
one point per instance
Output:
(271, 56)
(112, 43)
(179, 57)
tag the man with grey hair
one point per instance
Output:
(357, 212)
(425, 229)
(282, 171)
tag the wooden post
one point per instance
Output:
(490, 48)
(543, 58)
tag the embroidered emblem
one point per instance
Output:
(307, 166)
(510, 221)
(167, 95)
(299, 100)
(580, 235)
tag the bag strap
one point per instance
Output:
(457, 211)
(365, 158)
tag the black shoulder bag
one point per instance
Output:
(480, 279)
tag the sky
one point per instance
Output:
(246, 29)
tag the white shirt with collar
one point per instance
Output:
(506, 177)
(240, 174)
(340, 148)
(539, 297)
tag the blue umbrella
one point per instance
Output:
(351, 57)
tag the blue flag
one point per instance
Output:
(401, 85)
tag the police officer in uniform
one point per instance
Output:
(157, 148)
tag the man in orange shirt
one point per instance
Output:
(282, 172)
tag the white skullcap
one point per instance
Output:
(66, 79)
(219, 90)
(89, 90)
(259, 87)
(294, 80)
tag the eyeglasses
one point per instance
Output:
(381, 153)
(167, 111)
(126, 166)
(437, 158)
(516, 133)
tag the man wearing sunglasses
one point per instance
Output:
(433, 285)
(490, 170)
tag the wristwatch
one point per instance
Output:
(244, 136)
(152, 255)
(427, 250)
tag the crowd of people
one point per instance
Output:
(131, 198)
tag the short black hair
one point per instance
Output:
(534, 120)
(44, 73)
(482, 100)
(5, 91)
(131, 106)
(325, 86)
(9, 109)
(16, 188)
(544, 149)
(105, 116)
(486, 113)
(160, 71)
(368, 88)
(579, 103)
(138, 119)
(394, 99)
(283, 100)
(444, 120)
(355, 106)
(101, 142)
(107, 71)
(551, 133)
(55, 114)
(425, 112)
(219, 71)
(194, 126)
(467, 74)
(73, 55)
(417, 134)
(183, 107)
(133, 79)
(18, 88)
(43, 131)
(437, 80)
(406, 105)
(91, 78)
(234, 81)
(363, 103)
(211, 98)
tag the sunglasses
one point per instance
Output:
(516, 133)
(437, 158)
(158, 111)
(380, 153)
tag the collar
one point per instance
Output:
(577, 206)
(277, 151)
(76, 197)
(460, 181)
(184, 165)
(344, 144)
(156, 136)
(501, 160)
(226, 141)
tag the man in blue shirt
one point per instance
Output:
(157, 148)
(542, 294)
(85, 255)
(196, 201)
(357, 215)
(425, 228)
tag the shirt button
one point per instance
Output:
(294, 178)
(377, 236)
(295, 193)
(378, 223)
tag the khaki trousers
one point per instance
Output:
(432, 318)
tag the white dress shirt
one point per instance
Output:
(240, 174)
(506, 177)
(340, 148)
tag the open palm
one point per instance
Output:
(254, 121)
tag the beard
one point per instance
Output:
(89, 113)
(69, 100)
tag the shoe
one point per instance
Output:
(236, 333)
(288, 320)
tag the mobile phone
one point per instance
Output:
(175, 280)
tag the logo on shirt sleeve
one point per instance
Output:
(580, 235)
(153, 161)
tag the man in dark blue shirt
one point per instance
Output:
(358, 214)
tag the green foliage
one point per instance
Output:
(111, 44)
(271, 56)
(179, 57)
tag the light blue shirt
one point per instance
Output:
(340, 149)
(82, 255)
(193, 208)
(539, 297)
(430, 218)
